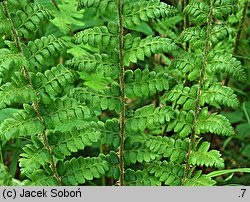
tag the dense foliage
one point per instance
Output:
(124, 92)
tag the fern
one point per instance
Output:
(131, 98)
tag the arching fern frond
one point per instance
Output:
(175, 150)
(203, 156)
(100, 63)
(28, 20)
(217, 95)
(53, 81)
(167, 172)
(140, 178)
(136, 48)
(142, 11)
(224, 62)
(144, 83)
(102, 5)
(17, 91)
(199, 179)
(78, 170)
(214, 123)
(149, 117)
(99, 99)
(105, 36)
(40, 50)
(24, 123)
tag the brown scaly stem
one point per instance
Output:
(35, 102)
(123, 99)
(201, 83)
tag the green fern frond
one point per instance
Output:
(175, 150)
(143, 11)
(182, 124)
(35, 155)
(100, 63)
(144, 83)
(28, 20)
(214, 123)
(224, 62)
(167, 172)
(76, 138)
(17, 91)
(181, 95)
(189, 64)
(98, 36)
(53, 81)
(224, 8)
(138, 152)
(140, 178)
(198, 10)
(220, 32)
(9, 63)
(217, 95)
(149, 117)
(195, 36)
(199, 179)
(6, 179)
(64, 111)
(40, 50)
(78, 170)
(99, 99)
(102, 5)
(136, 48)
(41, 177)
(24, 123)
(202, 157)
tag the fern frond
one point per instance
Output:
(9, 63)
(28, 20)
(98, 36)
(223, 62)
(6, 179)
(144, 83)
(149, 117)
(136, 48)
(189, 64)
(175, 150)
(99, 99)
(35, 155)
(76, 138)
(102, 5)
(214, 123)
(17, 91)
(198, 10)
(217, 95)
(140, 178)
(24, 123)
(143, 11)
(40, 50)
(53, 81)
(77, 171)
(182, 124)
(195, 36)
(183, 96)
(138, 152)
(167, 172)
(41, 177)
(64, 111)
(100, 63)
(202, 157)
(199, 179)
(224, 8)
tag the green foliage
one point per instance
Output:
(130, 97)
